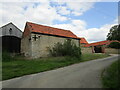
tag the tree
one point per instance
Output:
(114, 33)
(114, 45)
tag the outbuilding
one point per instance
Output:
(38, 39)
(102, 47)
(10, 35)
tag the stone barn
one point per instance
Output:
(37, 39)
(10, 35)
(83, 41)
(101, 47)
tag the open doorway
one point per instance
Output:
(11, 44)
(98, 49)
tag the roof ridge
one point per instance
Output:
(12, 24)
(6, 24)
(49, 26)
(50, 30)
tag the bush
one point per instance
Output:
(115, 45)
(66, 49)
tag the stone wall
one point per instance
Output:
(112, 51)
(107, 50)
(40, 46)
(86, 50)
(26, 46)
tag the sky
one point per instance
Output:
(91, 20)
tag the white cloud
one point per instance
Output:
(63, 10)
(75, 25)
(20, 12)
(77, 8)
(78, 27)
(43, 13)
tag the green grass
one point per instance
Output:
(19, 66)
(110, 78)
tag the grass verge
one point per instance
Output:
(18, 66)
(110, 77)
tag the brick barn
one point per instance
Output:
(10, 35)
(37, 39)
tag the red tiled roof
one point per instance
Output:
(83, 41)
(107, 42)
(50, 30)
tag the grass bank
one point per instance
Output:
(18, 66)
(110, 78)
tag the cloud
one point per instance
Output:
(74, 8)
(78, 27)
(63, 10)
(80, 7)
(44, 13)
(75, 25)
(19, 13)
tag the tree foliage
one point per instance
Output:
(114, 33)
(66, 49)
(115, 45)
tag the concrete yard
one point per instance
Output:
(81, 75)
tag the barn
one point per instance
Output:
(101, 47)
(83, 41)
(11, 38)
(37, 39)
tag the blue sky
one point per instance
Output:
(102, 13)
(91, 20)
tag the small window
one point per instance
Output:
(10, 31)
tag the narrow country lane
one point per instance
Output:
(82, 75)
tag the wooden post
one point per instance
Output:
(93, 51)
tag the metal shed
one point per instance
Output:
(11, 38)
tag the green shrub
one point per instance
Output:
(66, 49)
(115, 45)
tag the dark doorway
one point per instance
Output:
(11, 44)
(98, 49)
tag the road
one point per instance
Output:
(82, 75)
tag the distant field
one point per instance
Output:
(19, 66)
(111, 77)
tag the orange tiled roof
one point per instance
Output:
(50, 30)
(83, 40)
(107, 42)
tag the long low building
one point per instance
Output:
(101, 47)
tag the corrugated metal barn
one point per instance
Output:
(11, 38)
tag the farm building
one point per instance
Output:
(37, 39)
(83, 41)
(101, 47)
(11, 38)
